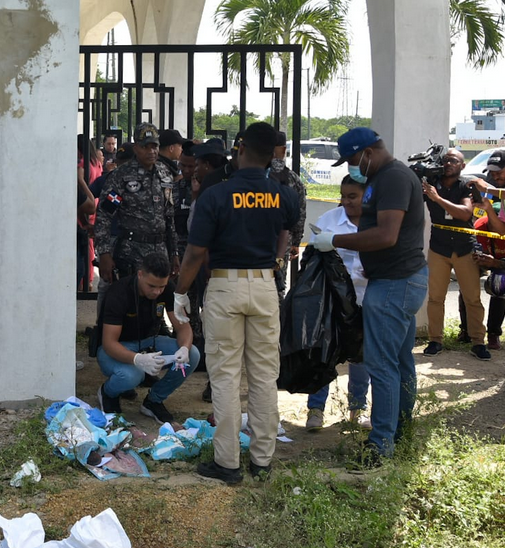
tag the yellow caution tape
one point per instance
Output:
(494, 235)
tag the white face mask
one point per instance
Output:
(355, 172)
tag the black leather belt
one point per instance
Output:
(142, 238)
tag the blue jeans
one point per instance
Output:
(125, 376)
(389, 323)
(357, 388)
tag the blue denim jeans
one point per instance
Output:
(389, 323)
(357, 389)
(125, 376)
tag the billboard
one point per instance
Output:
(488, 104)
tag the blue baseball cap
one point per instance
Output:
(355, 140)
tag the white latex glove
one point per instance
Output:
(182, 355)
(181, 306)
(324, 241)
(150, 363)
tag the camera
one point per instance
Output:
(428, 164)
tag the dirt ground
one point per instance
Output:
(186, 510)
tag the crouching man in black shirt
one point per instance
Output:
(131, 347)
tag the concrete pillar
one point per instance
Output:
(411, 66)
(38, 104)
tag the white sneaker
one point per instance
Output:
(359, 419)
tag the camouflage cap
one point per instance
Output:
(146, 133)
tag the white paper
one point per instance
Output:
(284, 439)
(28, 470)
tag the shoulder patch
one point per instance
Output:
(112, 202)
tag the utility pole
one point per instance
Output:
(357, 102)
(308, 104)
(272, 104)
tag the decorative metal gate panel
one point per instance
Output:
(100, 102)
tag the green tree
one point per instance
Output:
(220, 121)
(319, 27)
(483, 29)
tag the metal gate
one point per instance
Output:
(150, 99)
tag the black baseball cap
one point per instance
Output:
(212, 146)
(496, 162)
(125, 152)
(170, 137)
(281, 139)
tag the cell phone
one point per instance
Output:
(315, 229)
(476, 195)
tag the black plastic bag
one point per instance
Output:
(321, 324)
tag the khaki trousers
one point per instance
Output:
(468, 275)
(241, 325)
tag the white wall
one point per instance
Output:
(38, 126)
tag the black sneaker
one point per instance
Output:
(433, 349)
(129, 395)
(207, 393)
(480, 352)
(156, 410)
(368, 460)
(260, 472)
(214, 470)
(108, 404)
(464, 337)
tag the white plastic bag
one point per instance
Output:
(24, 532)
(102, 531)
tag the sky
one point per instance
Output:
(351, 91)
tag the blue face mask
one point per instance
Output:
(355, 172)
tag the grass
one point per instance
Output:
(442, 488)
(323, 192)
(31, 443)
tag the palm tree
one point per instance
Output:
(484, 36)
(319, 26)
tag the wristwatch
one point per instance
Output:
(280, 262)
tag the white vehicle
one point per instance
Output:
(478, 164)
(316, 162)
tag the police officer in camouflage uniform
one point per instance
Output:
(288, 177)
(139, 193)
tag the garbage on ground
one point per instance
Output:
(28, 470)
(109, 446)
(102, 531)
